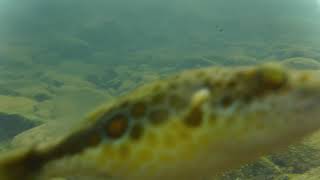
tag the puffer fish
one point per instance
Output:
(193, 125)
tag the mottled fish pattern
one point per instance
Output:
(194, 125)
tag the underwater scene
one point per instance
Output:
(160, 89)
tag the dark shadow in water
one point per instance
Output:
(13, 124)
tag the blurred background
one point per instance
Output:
(61, 59)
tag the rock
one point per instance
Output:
(296, 161)
(66, 112)
(40, 135)
(301, 63)
(40, 97)
(313, 174)
(18, 105)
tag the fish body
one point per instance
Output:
(194, 125)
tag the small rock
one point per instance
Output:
(40, 97)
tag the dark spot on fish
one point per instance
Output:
(159, 98)
(194, 117)
(158, 116)
(226, 101)
(94, 139)
(231, 84)
(138, 110)
(116, 126)
(209, 84)
(271, 79)
(136, 132)
(176, 101)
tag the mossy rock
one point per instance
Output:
(288, 51)
(18, 105)
(313, 174)
(40, 135)
(233, 60)
(298, 162)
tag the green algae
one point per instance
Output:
(298, 159)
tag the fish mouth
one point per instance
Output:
(295, 110)
(306, 101)
(306, 92)
(312, 103)
(302, 109)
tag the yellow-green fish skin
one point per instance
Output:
(195, 125)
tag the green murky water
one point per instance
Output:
(61, 59)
